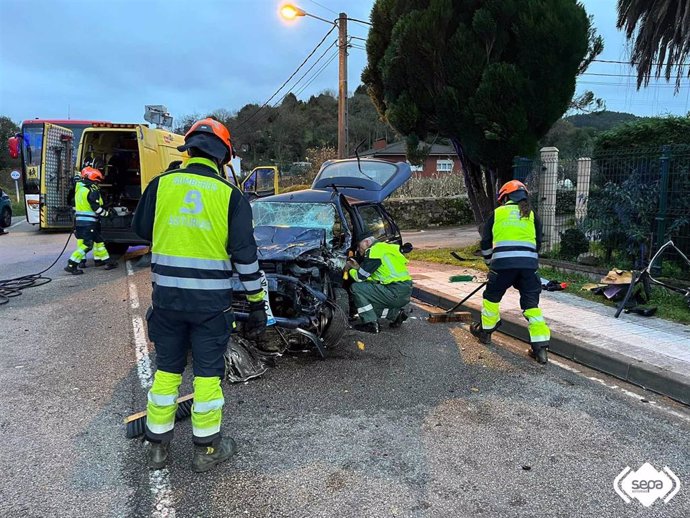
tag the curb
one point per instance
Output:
(623, 367)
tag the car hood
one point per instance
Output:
(287, 243)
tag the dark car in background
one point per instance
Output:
(304, 238)
(5, 210)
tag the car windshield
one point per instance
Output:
(377, 171)
(304, 215)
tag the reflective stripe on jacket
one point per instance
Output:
(392, 267)
(85, 210)
(514, 239)
(200, 226)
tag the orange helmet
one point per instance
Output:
(211, 137)
(91, 174)
(513, 186)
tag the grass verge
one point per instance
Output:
(671, 305)
(442, 256)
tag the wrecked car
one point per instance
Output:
(303, 240)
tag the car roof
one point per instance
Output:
(308, 196)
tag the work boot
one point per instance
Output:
(477, 330)
(539, 353)
(73, 268)
(82, 264)
(205, 457)
(398, 322)
(368, 327)
(158, 454)
(100, 262)
(110, 265)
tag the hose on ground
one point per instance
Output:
(13, 287)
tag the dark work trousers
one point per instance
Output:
(526, 281)
(173, 332)
(90, 233)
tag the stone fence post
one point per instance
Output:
(547, 196)
(584, 175)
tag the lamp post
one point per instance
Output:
(291, 12)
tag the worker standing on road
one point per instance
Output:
(510, 245)
(200, 227)
(88, 205)
(382, 285)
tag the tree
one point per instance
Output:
(7, 129)
(647, 134)
(660, 36)
(491, 75)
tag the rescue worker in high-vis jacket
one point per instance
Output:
(200, 228)
(382, 285)
(88, 205)
(510, 246)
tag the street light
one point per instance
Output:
(290, 12)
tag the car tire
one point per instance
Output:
(335, 330)
(6, 217)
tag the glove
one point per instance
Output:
(256, 323)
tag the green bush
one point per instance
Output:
(573, 243)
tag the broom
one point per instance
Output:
(136, 423)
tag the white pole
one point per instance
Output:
(16, 186)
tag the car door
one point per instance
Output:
(375, 222)
(261, 182)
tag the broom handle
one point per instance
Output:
(466, 298)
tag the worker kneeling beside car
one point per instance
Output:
(382, 285)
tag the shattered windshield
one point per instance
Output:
(304, 215)
(377, 171)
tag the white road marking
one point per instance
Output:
(622, 390)
(17, 223)
(564, 366)
(159, 480)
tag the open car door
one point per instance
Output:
(57, 173)
(262, 181)
(367, 179)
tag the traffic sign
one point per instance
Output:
(15, 175)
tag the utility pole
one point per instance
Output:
(342, 86)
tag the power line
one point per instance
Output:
(358, 38)
(329, 48)
(317, 74)
(245, 121)
(323, 6)
(632, 63)
(363, 22)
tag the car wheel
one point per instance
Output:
(6, 217)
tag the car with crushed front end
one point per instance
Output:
(304, 239)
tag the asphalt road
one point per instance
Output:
(421, 422)
(447, 237)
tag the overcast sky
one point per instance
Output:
(106, 59)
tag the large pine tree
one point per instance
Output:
(491, 75)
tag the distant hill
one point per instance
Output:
(601, 121)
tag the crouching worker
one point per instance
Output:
(200, 229)
(510, 245)
(88, 205)
(382, 285)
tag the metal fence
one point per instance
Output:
(614, 209)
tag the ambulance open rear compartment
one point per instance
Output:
(131, 155)
(117, 151)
